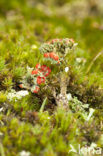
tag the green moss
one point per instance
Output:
(51, 131)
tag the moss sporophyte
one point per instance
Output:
(55, 54)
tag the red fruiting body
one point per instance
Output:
(21, 86)
(56, 58)
(34, 72)
(40, 80)
(55, 40)
(58, 62)
(44, 68)
(46, 74)
(71, 40)
(46, 55)
(43, 79)
(36, 89)
(52, 55)
(49, 70)
(37, 66)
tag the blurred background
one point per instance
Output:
(42, 20)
